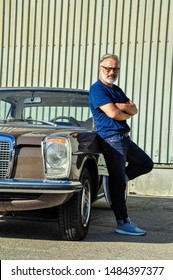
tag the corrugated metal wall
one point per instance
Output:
(59, 42)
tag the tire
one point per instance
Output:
(74, 215)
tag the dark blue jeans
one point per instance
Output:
(123, 157)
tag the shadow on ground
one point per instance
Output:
(151, 213)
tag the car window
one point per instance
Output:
(4, 109)
(48, 113)
(62, 107)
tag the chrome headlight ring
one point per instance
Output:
(57, 157)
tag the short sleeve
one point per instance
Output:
(99, 97)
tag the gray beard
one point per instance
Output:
(109, 81)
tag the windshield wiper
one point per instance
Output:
(29, 121)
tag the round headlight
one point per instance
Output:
(56, 155)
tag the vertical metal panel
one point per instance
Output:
(59, 43)
(24, 44)
(77, 45)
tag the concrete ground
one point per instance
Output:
(28, 239)
(153, 214)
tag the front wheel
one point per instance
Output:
(74, 215)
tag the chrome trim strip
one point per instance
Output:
(17, 186)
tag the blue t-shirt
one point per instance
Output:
(99, 95)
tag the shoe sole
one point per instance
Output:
(129, 233)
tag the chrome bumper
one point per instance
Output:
(18, 186)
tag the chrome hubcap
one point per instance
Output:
(86, 203)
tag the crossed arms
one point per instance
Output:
(119, 111)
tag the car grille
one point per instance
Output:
(6, 155)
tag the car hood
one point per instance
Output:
(34, 134)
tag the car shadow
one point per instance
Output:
(152, 214)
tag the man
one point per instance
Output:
(124, 159)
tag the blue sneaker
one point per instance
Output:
(129, 228)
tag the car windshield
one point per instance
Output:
(58, 106)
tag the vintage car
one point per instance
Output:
(49, 157)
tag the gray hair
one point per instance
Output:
(109, 55)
